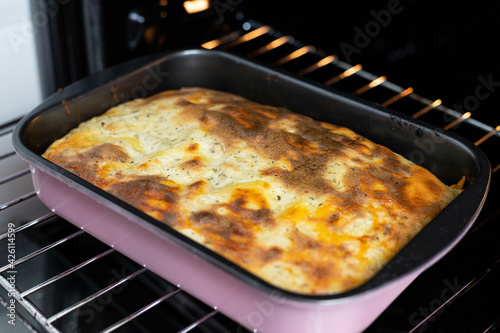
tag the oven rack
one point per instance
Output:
(23, 236)
(263, 43)
(19, 207)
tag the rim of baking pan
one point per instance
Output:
(464, 208)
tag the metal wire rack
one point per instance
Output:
(263, 43)
(60, 279)
(48, 257)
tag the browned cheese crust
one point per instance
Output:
(307, 206)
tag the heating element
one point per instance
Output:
(57, 278)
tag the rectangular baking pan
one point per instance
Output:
(251, 302)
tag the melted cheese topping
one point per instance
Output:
(310, 207)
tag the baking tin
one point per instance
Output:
(253, 303)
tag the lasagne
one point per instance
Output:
(310, 207)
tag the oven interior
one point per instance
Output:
(67, 281)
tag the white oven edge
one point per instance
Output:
(20, 89)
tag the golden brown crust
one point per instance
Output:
(308, 206)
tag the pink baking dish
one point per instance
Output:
(253, 303)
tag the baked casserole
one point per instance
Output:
(310, 207)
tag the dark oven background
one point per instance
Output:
(443, 49)
(446, 51)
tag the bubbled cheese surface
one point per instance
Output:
(309, 207)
